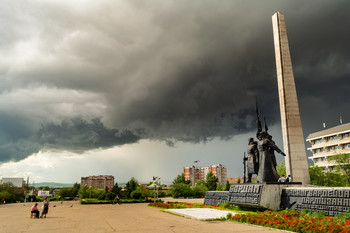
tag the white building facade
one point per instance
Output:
(16, 181)
(327, 143)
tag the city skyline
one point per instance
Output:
(143, 88)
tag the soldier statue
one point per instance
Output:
(267, 160)
(253, 159)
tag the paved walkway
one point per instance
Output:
(201, 213)
(71, 217)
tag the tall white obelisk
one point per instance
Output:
(293, 138)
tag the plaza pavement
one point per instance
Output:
(71, 217)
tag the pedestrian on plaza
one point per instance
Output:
(45, 208)
(282, 179)
(35, 210)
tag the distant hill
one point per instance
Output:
(53, 184)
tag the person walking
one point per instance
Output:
(45, 208)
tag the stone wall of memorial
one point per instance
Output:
(316, 199)
(215, 197)
(245, 194)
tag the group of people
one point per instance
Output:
(283, 179)
(45, 209)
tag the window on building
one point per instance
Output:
(331, 138)
(325, 159)
(346, 135)
(317, 151)
(323, 149)
(331, 148)
(336, 137)
(347, 146)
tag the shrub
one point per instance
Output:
(135, 194)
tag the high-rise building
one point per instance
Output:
(327, 143)
(16, 181)
(98, 182)
(200, 173)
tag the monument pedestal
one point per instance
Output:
(276, 196)
(258, 195)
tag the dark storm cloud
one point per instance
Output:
(164, 70)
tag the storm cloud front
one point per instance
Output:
(83, 75)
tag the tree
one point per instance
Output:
(281, 169)
(181, 190)
(11, 193)
(227, 186)
(131, 186)
(220, 187)
(330, 179)
(211, 181)
(342, 162)
(181, 179)
(75, 189)
(65, 192)
(116, 190)
(199, 190)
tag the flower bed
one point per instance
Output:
(294, 221)
(285, 220)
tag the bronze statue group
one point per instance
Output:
(261, 155)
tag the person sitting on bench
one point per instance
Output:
(34, 210)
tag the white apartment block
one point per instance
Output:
(327, 143)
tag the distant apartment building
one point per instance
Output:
(98, 182)
(200, 173)
(327, 143)
(16, 181)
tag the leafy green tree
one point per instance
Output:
(12, 193)
(65, 192)
(130, 186)
(75, 189)
(85, 191)
(200, 182)
(116, 190)
(44, 188)
(136, 194)
(181, 190)
(319, 177)
(281, 169)
(342, 162)
(211, 181)
(227, 186)
(199, 190)
(145, 193)
(181, 179)
(220, 187)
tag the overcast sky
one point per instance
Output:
(143, 88)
